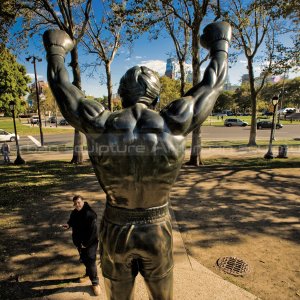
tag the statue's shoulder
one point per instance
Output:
(150, 120)
(178, 114)
(121, 120)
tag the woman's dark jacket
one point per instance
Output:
(84, 226)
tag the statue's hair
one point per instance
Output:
(139, 84)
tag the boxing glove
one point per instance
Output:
(216, 37)
(57, 42)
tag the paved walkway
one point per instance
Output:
(192, 281)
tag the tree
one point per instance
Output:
(287, 56)
(170, 89)
(180, 34)
(242, 97)
(8, 13)
(47, 100)
(13, 81)
(188, 14)
(151, 17)
(70, 16)
(225, 101)
(290, 96)
(104, 36)
(256, 32)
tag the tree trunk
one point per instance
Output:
(77, 148)
(195, 157)
(182, 78)
(252, 137)
(108, 85)
(78, 138)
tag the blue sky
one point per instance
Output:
(152, 54)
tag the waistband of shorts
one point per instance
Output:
(124, 216)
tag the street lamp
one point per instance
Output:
(19, 160)
(269, 154)
(34, 58)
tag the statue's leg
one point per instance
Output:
(119, 290)
(161, 289)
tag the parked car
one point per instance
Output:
(52, 120)
(287, 110)
(219, 114)
(34, 120)
(235, 122)
(267, 124)
(228, 112)
(6, 136)
(63, 122)
(267, 113)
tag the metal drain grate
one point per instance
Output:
(233, 265)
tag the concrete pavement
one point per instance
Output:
(192, 281)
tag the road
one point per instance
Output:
(215, 133)
(212, 133)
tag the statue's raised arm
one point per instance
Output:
(85, 115)
(184, 114)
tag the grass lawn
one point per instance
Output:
(243, 143)
(7, 124)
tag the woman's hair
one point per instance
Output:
(139, 85)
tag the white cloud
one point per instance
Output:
(243, 62)
(155, 65)
(31, 75)
(258, 68)
(138, 57)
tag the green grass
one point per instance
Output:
(7, 124)
(253, 163)
(243, 143)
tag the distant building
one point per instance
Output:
(245, 78)
(173, 70)
(270, 79)
(228, 86)
(189, 76)
(170, 68)
(41, 85)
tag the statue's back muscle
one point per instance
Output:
(136, 158)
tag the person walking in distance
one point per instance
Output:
(137, 153)
(5, 150)
(83, 221)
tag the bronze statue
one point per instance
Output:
(136, 153)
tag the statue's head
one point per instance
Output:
(139, 85)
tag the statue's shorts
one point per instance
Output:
(136, 240)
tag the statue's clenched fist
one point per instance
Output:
(216, 37)
(57, 42)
